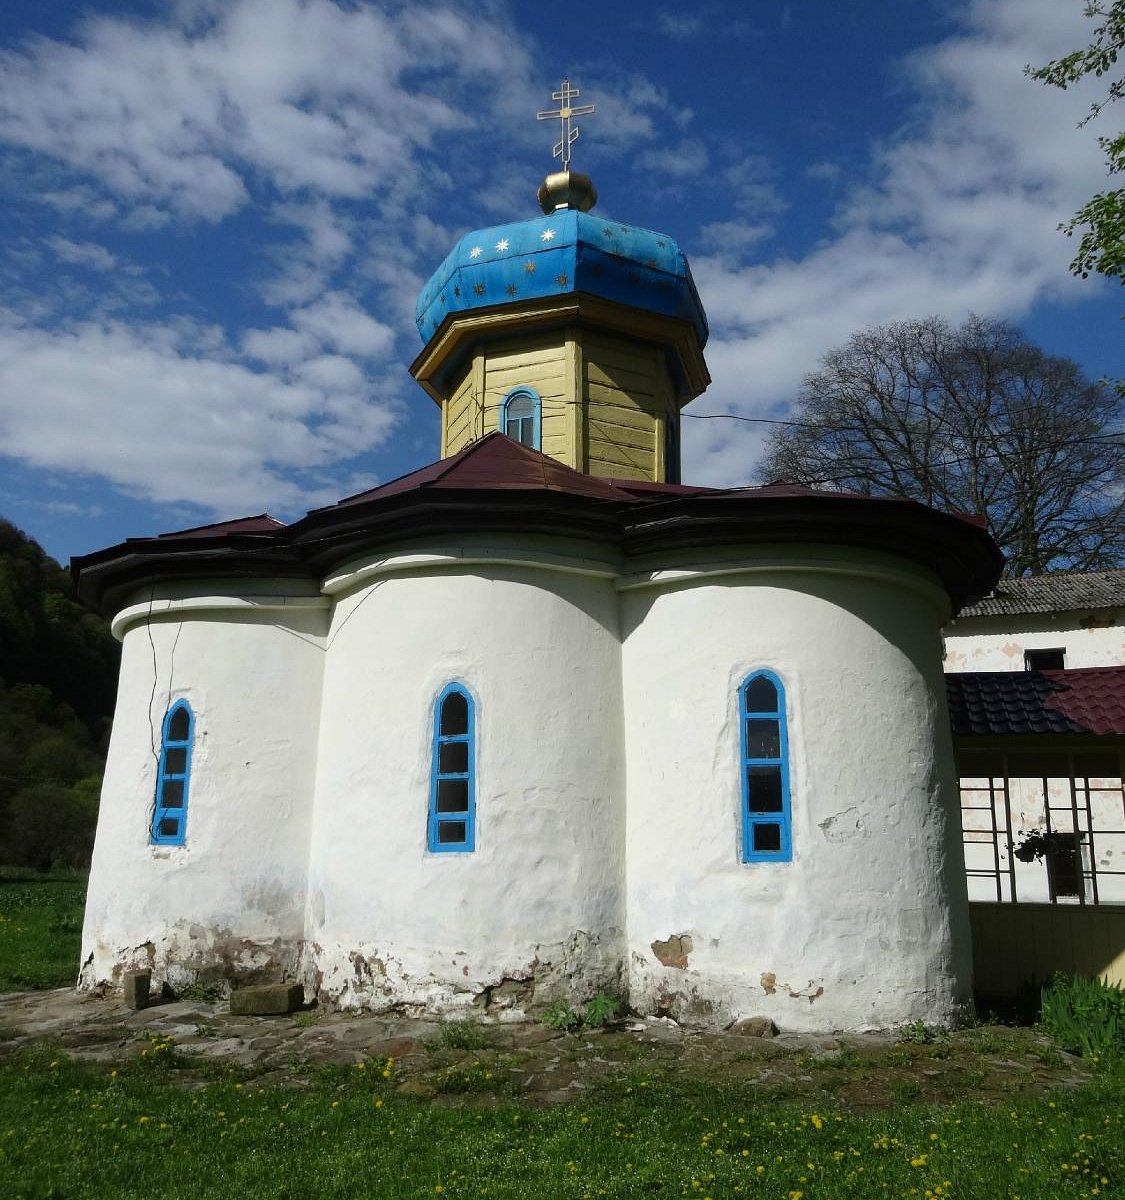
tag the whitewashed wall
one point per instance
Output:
(536, 911)
(596, 696)
(230, 902)
(867, 926)
(997, 643)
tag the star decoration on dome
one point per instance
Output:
(475, 252)
(529, 267)
(511, 289)
(502, 244)
(561, 280)
(478, 288)
(548, 235)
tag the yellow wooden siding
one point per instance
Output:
(636, 382)
(457, 417)
(1015, 943)
(626, 390)
(616, 470)
(604, 399)
(539, 364)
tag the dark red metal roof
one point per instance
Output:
(1078, 700)
(494, 461)
(262, 523)
(497, 485)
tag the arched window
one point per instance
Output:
(520, 416)
(766, 831)
(453, 784)
(169, 816)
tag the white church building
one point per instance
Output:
(539, 721)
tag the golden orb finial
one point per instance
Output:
(567, 189)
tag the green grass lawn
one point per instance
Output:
(97, 1130)
(163, 1125)
(40, 929)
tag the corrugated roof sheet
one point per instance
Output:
(1058, 591)
(1083, 700)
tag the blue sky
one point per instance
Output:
(219, 216)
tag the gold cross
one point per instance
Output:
(565, 113)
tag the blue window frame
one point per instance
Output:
(452, 821)
(520, 417)
(766, 824)
(169, 817)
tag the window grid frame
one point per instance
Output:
(536, 417)
(162, 812)
(436, 819)
(782, 819)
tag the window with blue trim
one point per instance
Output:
(453, 783)
(520, 417)
(169, 816)
(766, 825)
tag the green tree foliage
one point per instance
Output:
(58, 679)
(1102, 246)
(973, 419)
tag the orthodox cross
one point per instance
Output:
(565, 113)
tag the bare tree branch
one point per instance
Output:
(973, 419)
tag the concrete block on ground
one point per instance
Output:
(761, 1027)
(266, 998)
(137, 984)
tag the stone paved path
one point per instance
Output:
(544, 1065)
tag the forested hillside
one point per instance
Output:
(58, 679)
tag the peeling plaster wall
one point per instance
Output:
(608, 801)
(229, 903)
(867, 926)
(536, 911)
(1091, 639)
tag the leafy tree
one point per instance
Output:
(973, 419)
(58, 678)
(1102, 246)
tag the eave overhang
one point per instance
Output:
(460, 332)
(959, 553)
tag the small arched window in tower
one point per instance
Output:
(520, 417)
(452, 818)
(169, 816)
(766, 826)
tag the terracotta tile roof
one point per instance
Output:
(1082, 700)
(1058, 591)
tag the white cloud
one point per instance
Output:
(733, 237)
(165, 414)
(678, 25)
(189, 114)
(828, 172)
(337, 320)
(688, 158)
(958, 214)
(278, 347)
(83, 254)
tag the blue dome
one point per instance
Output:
(556, 255)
